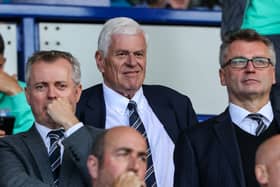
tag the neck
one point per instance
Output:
(251, 102)
(251, 106)
(127, 93)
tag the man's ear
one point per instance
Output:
(78, 92)
(274, 76)
(27, 94)
(99, 58)
(222, 76)
(261, 174)
(92, 165)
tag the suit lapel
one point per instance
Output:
(162, 110)
(96, 108)
(38, 151)
(227, 138)
(66, 170)
(276, 114)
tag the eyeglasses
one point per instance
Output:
(242, 62)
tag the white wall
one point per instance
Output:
(182, 57)
(8, 32)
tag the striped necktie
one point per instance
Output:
(261, 125)
(54, 153)
(135, 122)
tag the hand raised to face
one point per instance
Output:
(129, 179)
(62, 113)
(8, 84)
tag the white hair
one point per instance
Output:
(119, 25)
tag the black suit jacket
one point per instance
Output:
(275, 97)
(208, 155)
(24, 160)
(173, 109)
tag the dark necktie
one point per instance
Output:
(261, 126)
(54, 153)
(135, 122)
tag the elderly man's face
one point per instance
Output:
(124, 66)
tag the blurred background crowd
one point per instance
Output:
(170, 4)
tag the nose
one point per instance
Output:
(250, 67)
(131, 59)
(134, 164)
(52, 92)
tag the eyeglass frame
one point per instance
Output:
(229, 62)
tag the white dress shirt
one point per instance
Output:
(239, 117)
(161, 145)
(43, 131)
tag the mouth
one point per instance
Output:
(250, 81)
(131, 73)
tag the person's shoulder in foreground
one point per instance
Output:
(267, 168)
(118, 158)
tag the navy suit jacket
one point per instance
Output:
(208, 155)
(173, 109)
(24, 160)
(275, 97)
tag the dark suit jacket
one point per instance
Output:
(275, 97)
(173, 109)
(24, 159)
(208, 155)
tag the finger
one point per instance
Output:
(2, 133)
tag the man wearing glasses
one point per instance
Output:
(221, 151)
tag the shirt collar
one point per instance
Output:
(43, 130)
(118, 102)
(238, 113)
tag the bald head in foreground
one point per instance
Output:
(267, 168)
(118, 159)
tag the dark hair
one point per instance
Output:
(2, 45)
(247, 35)
(98, 147)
